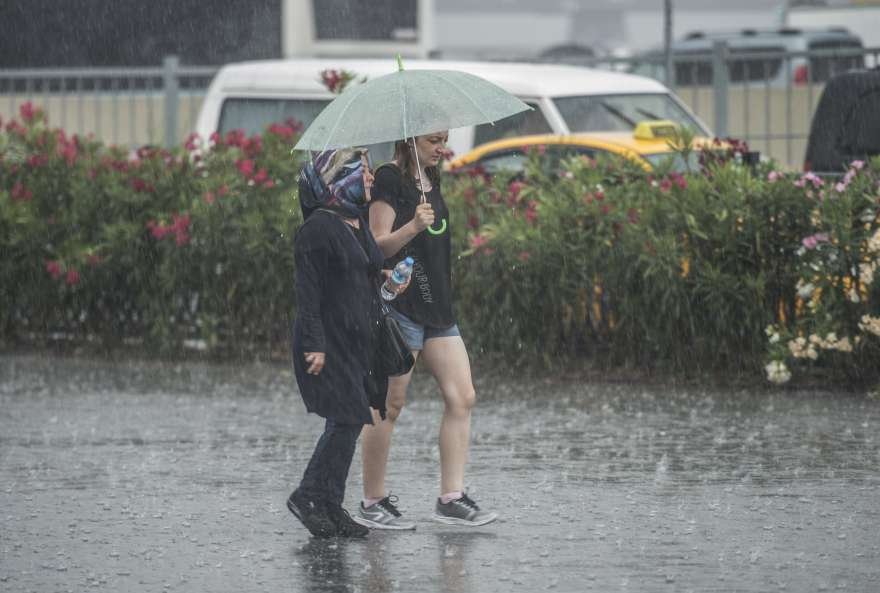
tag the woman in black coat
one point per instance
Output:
(338, 270)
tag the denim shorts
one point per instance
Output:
(415, 334)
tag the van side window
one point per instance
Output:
(861, 132)
(254, 115)
(521, 124)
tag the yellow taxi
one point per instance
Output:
(647, 145)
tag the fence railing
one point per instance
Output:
(122, 106)
(764, 98)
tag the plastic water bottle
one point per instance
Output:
(399, 275)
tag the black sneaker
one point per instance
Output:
(462, 511)
(312, 515)
(344, 524)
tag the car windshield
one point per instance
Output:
(621, 113)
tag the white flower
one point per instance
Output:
(853, 295)
(774, 338)
(777, 372)
(870, 325)
(874, 242)
(812, 354)
(806, 291)
(866, 273)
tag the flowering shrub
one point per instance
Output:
(626, 266)
(725, 269)
(157, 246)
(837, 307)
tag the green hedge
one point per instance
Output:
(724, 269)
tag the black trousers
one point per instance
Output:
(325, 476)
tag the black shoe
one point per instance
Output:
(345, 525)
(312, 515)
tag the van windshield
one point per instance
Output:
(255, 115)
(621, 113)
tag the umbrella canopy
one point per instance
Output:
(407, 103)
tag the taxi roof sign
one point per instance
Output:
(654, 129)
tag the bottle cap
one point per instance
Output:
(409, 261)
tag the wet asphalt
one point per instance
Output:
(142, 476)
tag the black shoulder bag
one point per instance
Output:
(395, 357)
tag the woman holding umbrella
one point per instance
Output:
(408, 217)
(338, 270)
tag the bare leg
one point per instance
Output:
(376, 439)
(447, 359)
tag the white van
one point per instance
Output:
(566, 99)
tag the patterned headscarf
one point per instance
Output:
(334, 180)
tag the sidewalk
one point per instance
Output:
(145, 477)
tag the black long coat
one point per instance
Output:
(337, 313)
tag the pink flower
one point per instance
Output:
(813, 241)
(216, 139)
(157, 230)
(665, 185)
(72, 277)
(515, 188)
(252, 146)
(20, 193)
(840, 187)
(234, 138)
(269, 184)
(180, 227)
(141, 186)
(13, 127)
(53, 266)
(246, 167)
(35, 161)
(208, 197)
(222, 190)
(193, 141)
(28, 112)
(857, 165)
(773, 176)
(812, 178)
(261, 176)
(283, 131)
(679, 180)
(478, 241)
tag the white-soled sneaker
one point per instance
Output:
(462, 511)
(382, 515)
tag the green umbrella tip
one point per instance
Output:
(399, 63)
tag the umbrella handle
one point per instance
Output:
(439, 231)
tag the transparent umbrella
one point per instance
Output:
(405, 104)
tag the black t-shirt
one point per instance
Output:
(428, 300)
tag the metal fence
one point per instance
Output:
(766, 99)
(129, 107)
